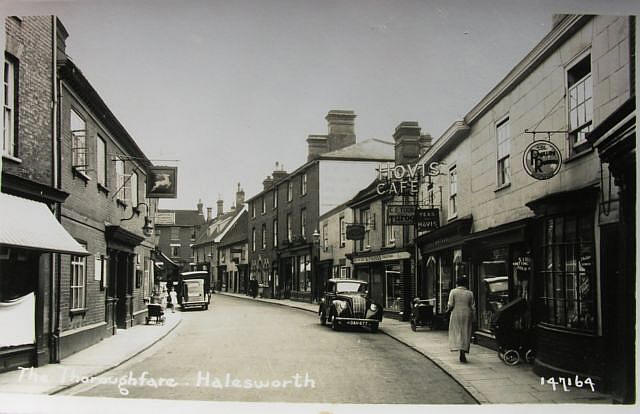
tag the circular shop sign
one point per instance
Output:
(542, 160)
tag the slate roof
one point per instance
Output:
(238, 232)
(370, 149)
(215, 227)
(185, 217)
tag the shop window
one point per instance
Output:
(445, 281)
(567, 273)
(10, 100)
(580, 105)
(19, 273)
(345, 272)
(78, 281)
(493, 290)
(504, 150)
(393, 279)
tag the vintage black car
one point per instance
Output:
(346, 302)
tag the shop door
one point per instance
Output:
(377, 285)
(112, 299)
(123, 287)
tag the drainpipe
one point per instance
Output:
(54, 318)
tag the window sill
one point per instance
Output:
(578, 155)
(76, 312)
(11, 158)
(102, 188)
(502, 187)
(80, 174)
(121, 203)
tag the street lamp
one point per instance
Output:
(314, 268)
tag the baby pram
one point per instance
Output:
(513, 335)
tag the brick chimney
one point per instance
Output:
(267, 183)
(407, 138)
(220, 204)
(200, 205)
(317, 145)
(341, 129)
(279, 172)
(425, 142)
(209, 213)
(239, 197)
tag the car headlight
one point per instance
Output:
(373, 307)
(340, 306)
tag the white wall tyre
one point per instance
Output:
(511, 357)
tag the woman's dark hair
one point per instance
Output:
(461, 280)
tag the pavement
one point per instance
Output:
(90, 362)
(485, 376)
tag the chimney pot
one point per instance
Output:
(317, 145)
(209, 213)
(220, 204)
(239, 197)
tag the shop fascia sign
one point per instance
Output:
(382, 257)
(407, 214)
(404, 179)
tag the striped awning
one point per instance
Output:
(30, 224)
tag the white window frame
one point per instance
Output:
(289, 191)
(325, 237)
(275, 233)
(78, 129)
(9, 109)
(122, 180)
(177, 247)
(303, 223)
(253, 239)
(389, 231)
(453, 192)
(78, 282)
(133, 185)
(343, 231)
(365, 219)
(576, 136)
(264, 236)
(289, 227)
(275, 197)
(101, 161)
(303, 186)
(264, 204)
(503, 140)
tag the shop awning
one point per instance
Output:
(30, 224)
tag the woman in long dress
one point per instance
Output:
(462, 306)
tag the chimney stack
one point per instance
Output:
(239, 197)
(317, 145)
(200, 205)
(279, 172)
(407, 138)
(220, 205)
(341, 129)
(425, 143)
(209, 213)
(267, 183)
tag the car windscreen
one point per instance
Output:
(351, 287)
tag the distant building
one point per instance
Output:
(283, 217)
(178, 231)
(334, 245)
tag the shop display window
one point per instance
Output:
(493, 291)
(445, 282)
(393, 279)
(567, 273)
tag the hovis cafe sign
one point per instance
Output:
(404, 179)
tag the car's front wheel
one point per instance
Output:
(323, 319)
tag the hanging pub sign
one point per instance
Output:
(427, 219)
(404, 179)
(162, 182)
(355, 231)
(401, 214)
(542, 160)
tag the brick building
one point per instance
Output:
(550, 241)
(104, 171)
(177, 232)
(284, 216)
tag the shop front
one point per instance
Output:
(567, 259)
(389, 277)
(30, 235)
(501, 269)
(444, 258)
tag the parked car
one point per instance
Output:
(193, 290)
(346, 302)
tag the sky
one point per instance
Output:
(227, 88)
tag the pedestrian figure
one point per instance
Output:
(174, 299)
(462, 308)
(171, 300)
